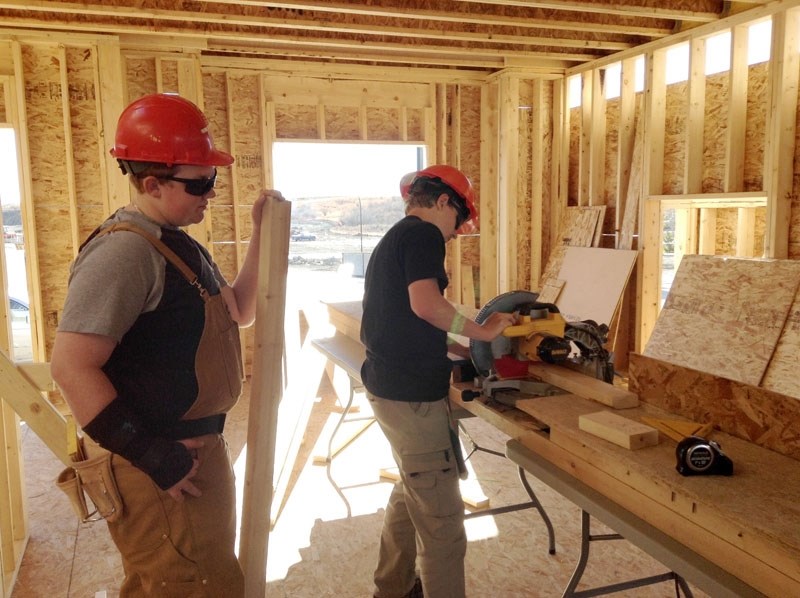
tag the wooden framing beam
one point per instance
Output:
(608, 8)
(508, 183)
(489, 286)
(650, 227)
(597, 182)
(559, 171)
(539, 127)
(627, 138)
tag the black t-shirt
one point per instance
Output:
(406, 356)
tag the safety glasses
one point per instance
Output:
(198, 187)
(462, 212)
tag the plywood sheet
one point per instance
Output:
(763, 417)
(781, 375)
(583, 226)
(594, 282)
(723, 316)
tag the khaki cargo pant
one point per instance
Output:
(180, 549)
(424, 518)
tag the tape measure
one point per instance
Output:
(699, 456)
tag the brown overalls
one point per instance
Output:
(186, 549)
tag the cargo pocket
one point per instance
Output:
(432, 481)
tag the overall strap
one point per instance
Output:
(162, 248)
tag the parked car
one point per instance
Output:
(20, 312)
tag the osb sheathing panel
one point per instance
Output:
(675, 138)
(49, 193)
(247, 150)
(724, 316)
(383, 124)
(470, 143)
(141, 77)
(296, 122)
(715, 132)
(781, 375)
(573, 182)
(215, 106)
(415, 123)
(611, 145)
(726, 231)
(341, 123)
(755, 131)
(769, 419)
(169, 75)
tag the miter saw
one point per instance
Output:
(541, 334)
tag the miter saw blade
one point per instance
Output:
(484, 353)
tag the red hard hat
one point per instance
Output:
(167, 129)
(458, 182)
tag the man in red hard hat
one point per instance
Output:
(407, 376)
(148, 358)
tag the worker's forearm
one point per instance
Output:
(245, 285)
(445, 316)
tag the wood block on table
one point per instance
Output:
(620, 430)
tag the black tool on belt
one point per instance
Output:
(190, 428)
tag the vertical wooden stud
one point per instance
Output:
(110, 101)
(627, 137)
(267, 389)
(488, 197)
(585, 156)
(537, 184)
(237, 233)
(559, 181)
(649, 270)
(597, 166)
(508, 177)
(69, 157)
(781, 124)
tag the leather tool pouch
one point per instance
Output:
(95, 478)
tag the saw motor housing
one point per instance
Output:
(540, 334)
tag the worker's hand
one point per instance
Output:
(496, 323)
(263, 197)
(186, 485)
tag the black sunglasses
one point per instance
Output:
(198, 187)
(462, 212)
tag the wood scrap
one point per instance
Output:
(678, 429)
(622, 431)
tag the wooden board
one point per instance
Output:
(594, 282)
(584, 386)
(622, 431)
(678, 429)
(724, 316)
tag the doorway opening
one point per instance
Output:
(13, 267)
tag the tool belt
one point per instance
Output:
(191, 428)
(95, 478)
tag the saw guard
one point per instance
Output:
(484, 353)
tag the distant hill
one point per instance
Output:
(374, 213)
